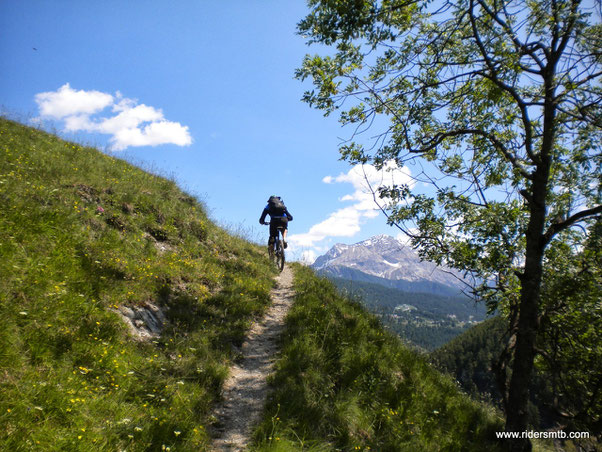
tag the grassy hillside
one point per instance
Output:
(83, 235)
(85, 238)
(344, 383)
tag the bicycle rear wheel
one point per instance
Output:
(280, 256)
(271, 250)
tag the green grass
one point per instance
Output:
(345, 383)
(82, 234)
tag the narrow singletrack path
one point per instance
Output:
(246, 388)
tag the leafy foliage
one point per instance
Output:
(562, 391)
(566, 387)
(497, 105)
(462, 90)
(571, 335)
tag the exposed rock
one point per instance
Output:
(145, 322)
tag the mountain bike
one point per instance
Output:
(276, 250)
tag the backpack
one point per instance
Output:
(276, 206)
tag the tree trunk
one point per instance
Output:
(528, 316)
(518, 397)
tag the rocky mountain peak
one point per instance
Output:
(384, 257)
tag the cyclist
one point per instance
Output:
(279, 218)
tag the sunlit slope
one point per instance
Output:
(344, 383)
(82, 236)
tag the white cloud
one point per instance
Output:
(66, 102)
(366, 179)
(78, 122)
(129, 117)
(342, 223)
(308, 257)
(403, 238)
(347, 221)
(130, 125)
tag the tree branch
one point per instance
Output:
(561, 226)
(493, 76)
(438, 139)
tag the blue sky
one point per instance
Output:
(201, 91)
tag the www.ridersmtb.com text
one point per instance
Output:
(542, 435)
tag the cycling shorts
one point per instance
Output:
(278, 222)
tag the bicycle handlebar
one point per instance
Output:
(278, 227)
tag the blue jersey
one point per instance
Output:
(266, 211)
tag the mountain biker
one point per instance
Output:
(279, 218)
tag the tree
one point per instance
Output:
(570, 342)
(497, 106)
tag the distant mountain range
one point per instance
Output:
(386, 261)
(419, 301)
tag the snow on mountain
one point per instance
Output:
(384, 257)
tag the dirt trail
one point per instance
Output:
(246, 388)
